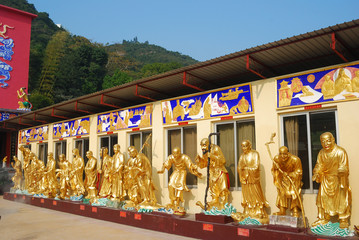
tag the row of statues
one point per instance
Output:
(132, 182)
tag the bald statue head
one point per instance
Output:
(176, 152)
(246, 146)
(328, 141)
(204, 145)
(283, 153)
(132, 151)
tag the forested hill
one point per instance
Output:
(59, 60)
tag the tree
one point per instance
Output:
(118, 78)
(157, 68)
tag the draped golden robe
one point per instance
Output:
(332, 171)
(91, 178)
(77, 182)
(106, 185)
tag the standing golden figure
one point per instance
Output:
(26, 167)
(253, 201)
(17, 178)
(77, 173)
(50, 174)
(38, 181)
(287, 165)
(106, 171)
(64, 173)
(177, 183)
(218, 180)
(91, 176)
(332, 172)
(118, 192)
(139, 180)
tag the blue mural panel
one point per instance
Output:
(124, 119)
(7, 115)
(226, 102)
(330, 85)
(34, 134)
(72, 128)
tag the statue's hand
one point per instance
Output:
(161, 171)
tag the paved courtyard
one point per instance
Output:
(22, 221)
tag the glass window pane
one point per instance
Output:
(320, 123)
(296, 139)
(135, 140)
(190, 149)
(226, 141)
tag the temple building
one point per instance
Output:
(297, 87)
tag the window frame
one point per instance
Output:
(46, 151)
(110, 144)
(83, 155)
(169, 151)
(236, 141)
(309, 140)
(141, 133)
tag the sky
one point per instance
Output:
(202, 29)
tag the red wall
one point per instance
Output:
(21, 21)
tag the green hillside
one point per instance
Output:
(59, 59)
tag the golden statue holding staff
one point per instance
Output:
(118, 192)
(332, 172)
(253, 201)
(177, 183)
(106, 171)
(77, 173)
(50, 174)
(17, 178)
(37, 180)
(91, 176)
(139, 180)
(285, 166)
(26, 166)
(218, 181)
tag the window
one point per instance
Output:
(83, 146)
(230, 138)
(301, 134)
(138, 139)
(108, 141)
(60, 148)
(186, 139)
(43, 150)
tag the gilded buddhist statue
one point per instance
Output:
(77, 170)
(64, 173)
(177, 184)
(106, 174)
(332, 172)
(50, 174)
(285, 166)
(253, 201)
(118, 192)
(218, 181)
(17, 178)
(91, 176)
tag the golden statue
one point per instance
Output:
(50, 174)
(38, 182)
(106, 171)
(118, 192)
(342, 82)
(77, 172)
(26, 167)
(178, 111)
(17, 178)
(64, 173)
(332, 172)
(4, 160)
(91, 176)
(21, 94)
(139, 184)
(253, 201)
(355, 82)
(177, 183)
(287, 165)
(218, 181)
(328, 87)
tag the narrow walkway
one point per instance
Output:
(21, 221)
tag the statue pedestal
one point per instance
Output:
(213, 218)
(286, 221)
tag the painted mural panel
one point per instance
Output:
(34, 134)
(124, 119)
(72, 128)
(7, 115)
(226, 102)
(335, 84)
